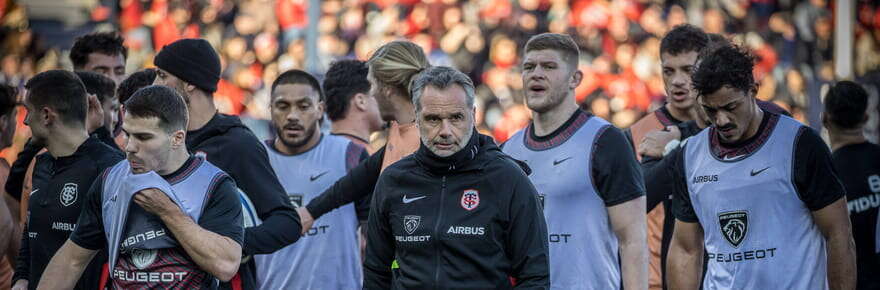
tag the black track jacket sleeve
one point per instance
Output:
(528, 238)
(252, 173)
(357, 184)
(380, 246)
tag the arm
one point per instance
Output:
(23, 263)
(822, 192)
(253, 174)
(380, 246)
(527, 244)
(358, 183)
(628, 222)
(355, 155)
(15, 180)
(66, 266)
(214, 253)
(833, 221)
(685, 265)
(618, 180)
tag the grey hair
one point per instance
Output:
(441, 77)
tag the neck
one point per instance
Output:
(65, 141)
(547, 122)
(681, 115)
(290, 150)
(352, 126)
(201, 110)
(404, 110)
(755, 124)
(177, 159)
(841, 138)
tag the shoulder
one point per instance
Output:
(808, 138)
(106, 156)
(407, 165)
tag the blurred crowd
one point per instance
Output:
(619, 41)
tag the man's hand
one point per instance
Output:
(305, 218)
(95, 115)
(21, 284)
(654, 143)
(156, 202)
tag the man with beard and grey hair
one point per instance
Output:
(458, 199)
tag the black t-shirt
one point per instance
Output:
(59, 189)
(815, 179)
(615, 171)
(221, 215)
(860, 173)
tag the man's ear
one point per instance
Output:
(189, 88)
(359, 101)
(47, 116)
(178, 138)
(576, 79)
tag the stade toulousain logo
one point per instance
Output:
(470, 199)
(734, 226)
(68, 194)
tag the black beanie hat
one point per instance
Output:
(192, 60)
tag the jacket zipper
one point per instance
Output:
(437, 234)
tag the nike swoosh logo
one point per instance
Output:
(34, 191)
(759, 171)
(731, 158)
(315, 177)
(556, 162)
(408, 200)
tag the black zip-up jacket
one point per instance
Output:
(232, 147)
(18, 171)
(54, 207)
(471, 220)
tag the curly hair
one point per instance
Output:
(729, 65)
(343, 80)
(845, 104)
(684, 38)
(109, 43)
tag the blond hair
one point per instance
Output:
(397, 63)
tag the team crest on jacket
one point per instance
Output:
(68, 194)
(142, 258)
(411, 223)
(734, 226)
(470, 199)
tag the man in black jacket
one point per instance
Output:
(56, 103)
(192, 67)
(458, 213)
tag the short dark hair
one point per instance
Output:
(684, 38)
(562, 43)
(296, 76)
(729, 65)
(8, 99)
(109, 43)
(161, 102)
(846, 103)
(134, 82)
(97, 84)
(60, 90)
(343, 80)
